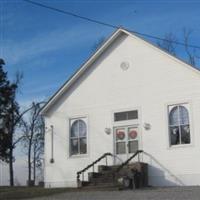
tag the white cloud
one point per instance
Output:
(17, 51)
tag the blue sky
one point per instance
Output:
(48, 46)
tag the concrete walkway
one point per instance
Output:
(170, 193)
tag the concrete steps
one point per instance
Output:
(107, 179)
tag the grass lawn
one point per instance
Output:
(29, 192)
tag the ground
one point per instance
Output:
(167, 193)
(7, 193)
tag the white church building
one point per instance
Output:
(128, 96)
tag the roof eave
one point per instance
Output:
(81, 70)
(96, 54)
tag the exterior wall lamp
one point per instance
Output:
(147, 126)
(107, 131)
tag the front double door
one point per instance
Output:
(126, 142)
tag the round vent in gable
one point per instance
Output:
(124, 65)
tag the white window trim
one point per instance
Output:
(190, 110)
(85, 119)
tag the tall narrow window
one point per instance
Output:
(179, 124)
(78, 136)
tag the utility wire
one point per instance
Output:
(108, 24)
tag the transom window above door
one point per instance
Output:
(78, 136)
(179, 124)
(126, 115)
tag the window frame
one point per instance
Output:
(187, 105)
(126, 122)
(71, 121)
(126, 140)
(127, 112)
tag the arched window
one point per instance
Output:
(78, 136)
(179, 124)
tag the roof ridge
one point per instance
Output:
(97, 53)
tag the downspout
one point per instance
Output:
(52, 145)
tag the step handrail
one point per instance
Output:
(128, 160)
(92, 164)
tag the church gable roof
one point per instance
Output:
(64, 88)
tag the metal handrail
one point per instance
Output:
(105, 156)
(92, 165)
(128, 160)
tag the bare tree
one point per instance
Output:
(191, 52)
(33, 139)
(168, 44)
(38, 148)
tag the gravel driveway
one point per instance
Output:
(173, 193)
